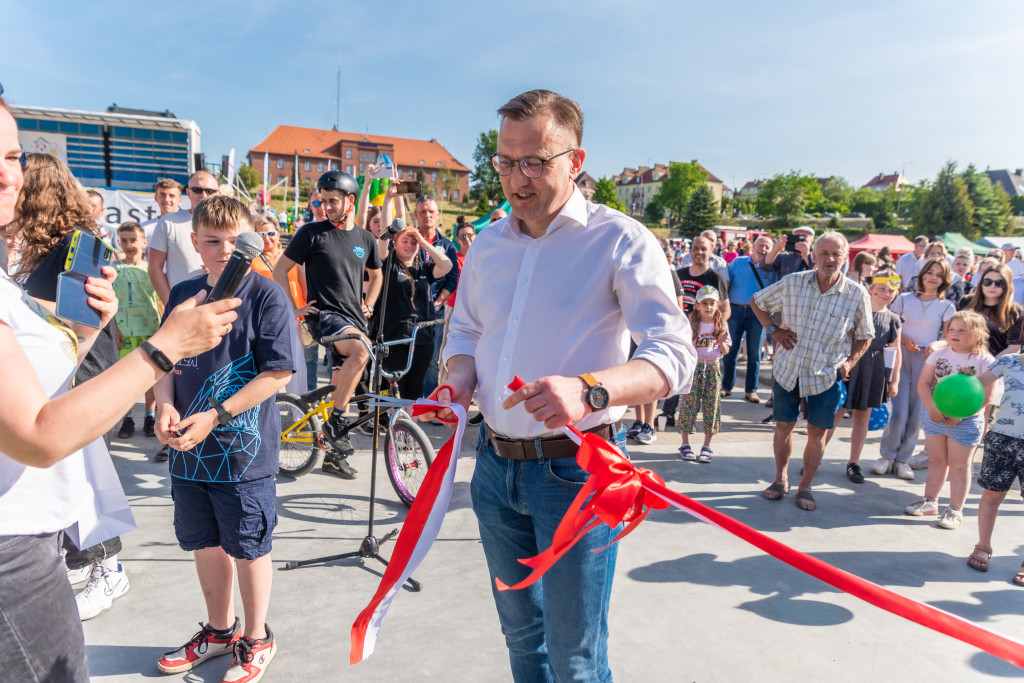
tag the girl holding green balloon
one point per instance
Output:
(953, 415)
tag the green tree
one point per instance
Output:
(675, 190)
(991, 212)
(483, 205)
(484, 177)
(836, 197)
(787, 196)
(447, 182)
(654, 211)
(604, 193)
(701, 211)
(249, 177)
(945, 206)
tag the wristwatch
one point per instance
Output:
(770, 330)
(223, 416)
(162, 361)
(597, 395)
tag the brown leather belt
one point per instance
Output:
(551, 447)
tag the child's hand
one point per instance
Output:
(950, 421)
(894, 387)
(165, 417)
(193, 429)
(937, 417)
(910, 345)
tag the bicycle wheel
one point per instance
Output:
(300, 445)
(408, 454)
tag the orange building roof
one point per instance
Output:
(408, 152)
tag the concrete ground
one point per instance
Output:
(690, 602)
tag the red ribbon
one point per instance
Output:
(619, 492)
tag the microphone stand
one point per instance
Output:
(370, 546)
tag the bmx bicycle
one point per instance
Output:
(407, 450)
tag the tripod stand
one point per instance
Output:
(370, 546)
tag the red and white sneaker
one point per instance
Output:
(201, 647)
(251, 659)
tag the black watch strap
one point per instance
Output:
(223, 416)
(162, 361)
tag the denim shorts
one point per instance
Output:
(821, 408)
(237, 516)
(1003, 462)
(966, 432)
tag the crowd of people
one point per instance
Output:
(842, 337)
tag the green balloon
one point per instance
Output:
(959, 396)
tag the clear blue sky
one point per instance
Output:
(747, 88)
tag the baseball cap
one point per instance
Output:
(1009, 245)
(804, 228)
(708, 292)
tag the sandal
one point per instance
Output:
(776, 491)
(686, 453)
(705, 455)
(807, 499)
(975, 561)
(1018, 578)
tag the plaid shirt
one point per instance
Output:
(825, 325)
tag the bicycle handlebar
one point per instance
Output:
(410, 340)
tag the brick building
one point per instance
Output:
(321, 150)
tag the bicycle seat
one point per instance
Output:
(317, 395)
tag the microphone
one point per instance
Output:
(390, 232)
(248, 245)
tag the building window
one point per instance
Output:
(362, 156)
(348, 153)
(307, 166)
(320, 166)
(433, 176)
(361, 167)
(455, 195)
(280, 178)
(280, 163)
(348, 169)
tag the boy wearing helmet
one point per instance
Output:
(336, 253)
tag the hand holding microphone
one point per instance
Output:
(248, 245)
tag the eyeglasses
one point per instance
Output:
(466, 236)
(204, 190)
(424, 198)
(268, 234)
(532, 167)
(989, 282)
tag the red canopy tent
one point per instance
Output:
(898, 245)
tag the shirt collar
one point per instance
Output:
(840, 287)
(574, 211)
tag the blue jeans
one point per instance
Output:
(743, 320)
(312, 357)
(556, 629)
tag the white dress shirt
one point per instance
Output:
(566, 303)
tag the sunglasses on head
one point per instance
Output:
(204, 190)
(424, 198)
(989, 282)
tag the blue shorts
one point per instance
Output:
(966, 432)
(330, 323)
(821, 408)
(237, 516)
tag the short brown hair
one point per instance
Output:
(566, 112)
(218, 212)
(131, 226)
(166, 184)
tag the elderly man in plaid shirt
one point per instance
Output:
(826, 327)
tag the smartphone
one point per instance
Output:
(410, 187)
(792, 240)
(86, 257)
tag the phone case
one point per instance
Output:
(86, 257)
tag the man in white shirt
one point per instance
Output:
(552, 294)
(909, 265)
(167, 194)
(1015, 265)
(172, 258)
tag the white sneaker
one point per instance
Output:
(105, 586)
(922, 506)
(904, 471)
(951, 519)
(881, 466)
(919, 461)
(76, 576)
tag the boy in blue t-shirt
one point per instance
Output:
(217, 414)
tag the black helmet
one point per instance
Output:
(338, 180)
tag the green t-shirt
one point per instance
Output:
(137, 313)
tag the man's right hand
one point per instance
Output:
(459, 393)
(786, 338)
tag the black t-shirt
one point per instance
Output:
(260, 340)
(335, 261)
(998, 339)
(42, 284)
(409, 300)
(692, 284)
